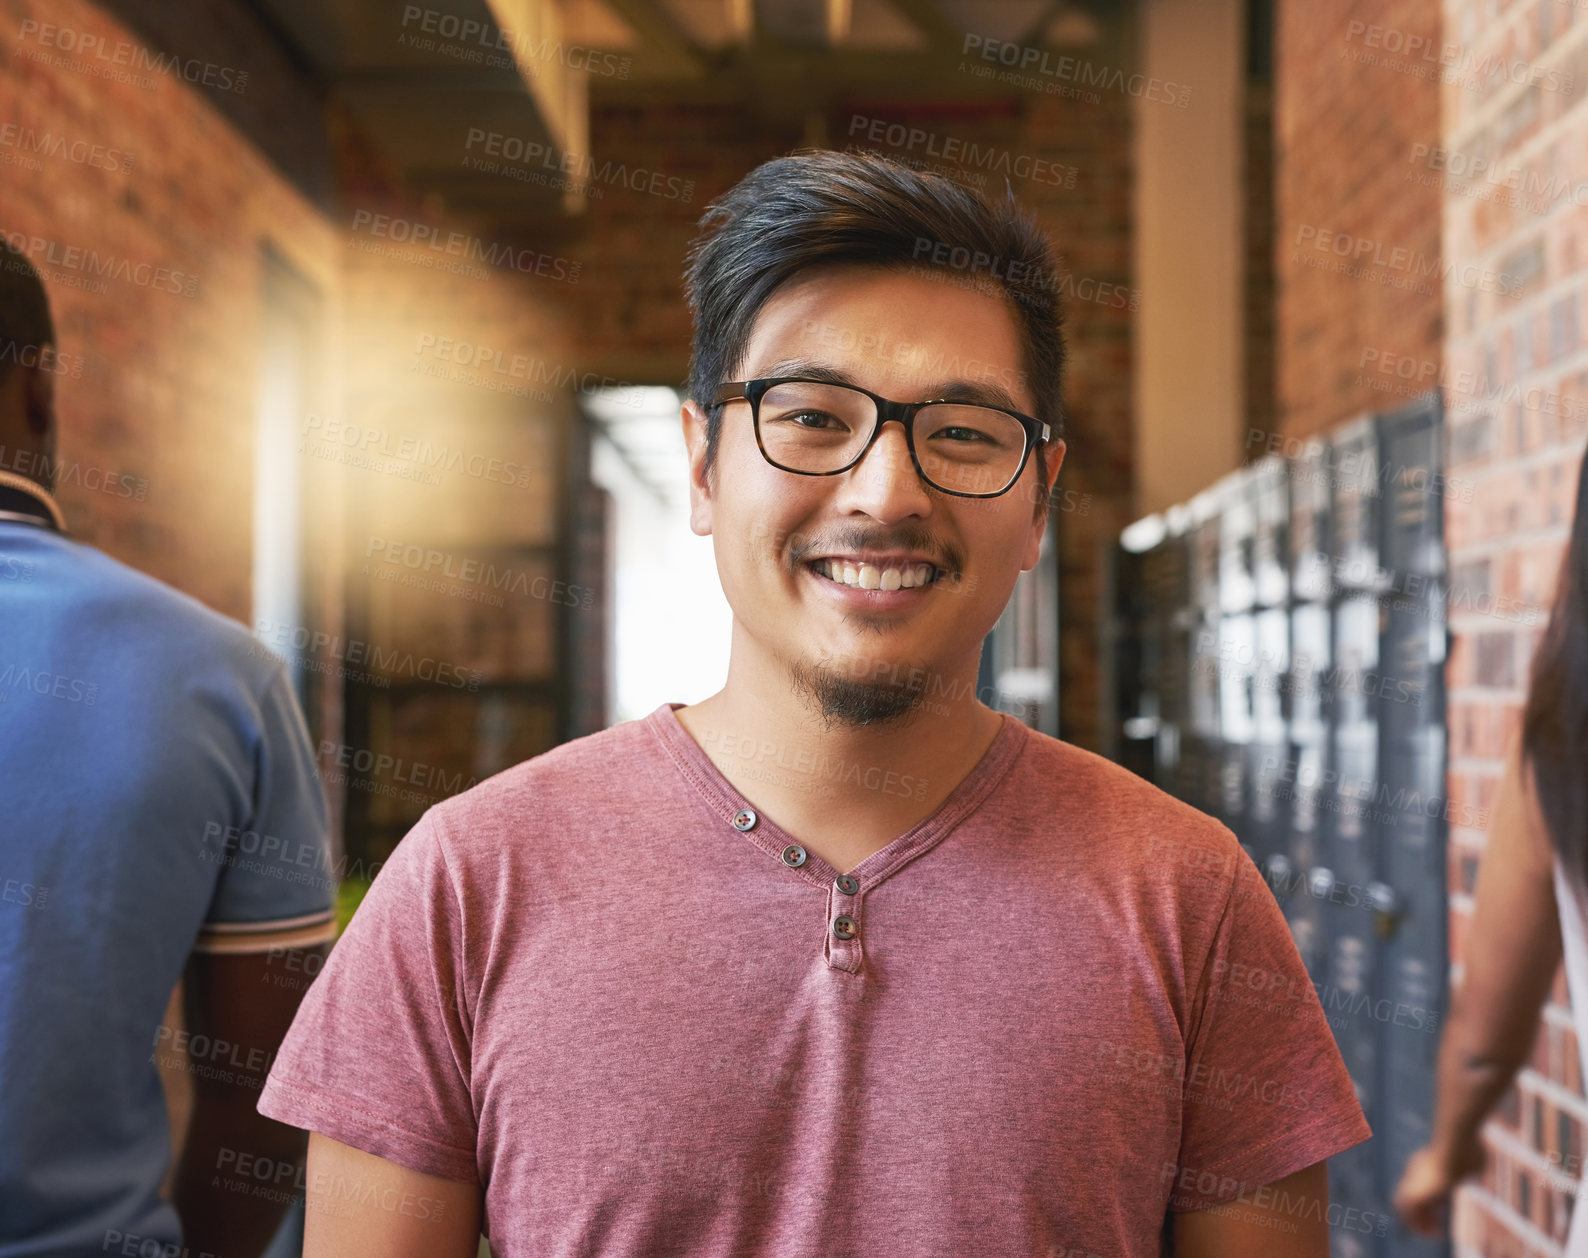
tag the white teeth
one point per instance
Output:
(867, 576)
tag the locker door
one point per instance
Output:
(1304, 776)
(1412, 918)
(1354, 978)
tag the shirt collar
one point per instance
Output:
(27, 502)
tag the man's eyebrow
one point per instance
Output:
(983, 391)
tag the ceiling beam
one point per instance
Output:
(433, 78)
(660, 36)
(927, 18)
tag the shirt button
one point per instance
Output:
(846, 884)
(793, 855)
(844, 927)
(744, 819)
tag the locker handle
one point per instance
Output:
(1278, 870)
(1389, 909)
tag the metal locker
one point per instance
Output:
(1235, 494)
(1267, 816)
(1270, 492)
(1412, 914)
(1237, 662)
(1353, 479)
(1311, 526)
(1293, 640)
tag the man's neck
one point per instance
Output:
(843, 790)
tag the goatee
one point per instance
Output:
(846, 701)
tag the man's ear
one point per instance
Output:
(700, 489)
(1053, 452)
(38, 400)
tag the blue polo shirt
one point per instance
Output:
(157, 796)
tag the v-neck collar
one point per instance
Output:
(726, 801)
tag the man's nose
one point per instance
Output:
(886, 468)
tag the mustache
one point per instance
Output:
(802, 550)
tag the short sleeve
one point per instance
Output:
(1266, 1092)
(276, 886)
(378, 1056)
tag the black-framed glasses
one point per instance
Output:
(818, 428)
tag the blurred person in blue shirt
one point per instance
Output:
(160, 819)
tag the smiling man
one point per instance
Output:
(838, 960)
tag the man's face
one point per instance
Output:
(869, 655)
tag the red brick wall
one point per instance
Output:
(159, 398)
(1346, 120)
(166, 395)
(1258, 300)
(158, 402)
(1516, 388)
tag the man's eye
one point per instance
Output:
(798, 418)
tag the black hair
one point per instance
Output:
(25, 321)
(1555, 716)
(822, 208)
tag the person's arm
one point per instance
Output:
(1285, 1219)
(362, 1206)
(1512, 952)
(234, 1000)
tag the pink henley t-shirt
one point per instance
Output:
(607, 989)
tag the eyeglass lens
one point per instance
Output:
(961, 447)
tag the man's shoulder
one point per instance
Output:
(579, 777)
(1113, 799)
(102, 590)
